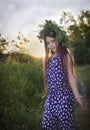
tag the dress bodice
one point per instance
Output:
(55, 74)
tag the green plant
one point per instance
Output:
(50, 26)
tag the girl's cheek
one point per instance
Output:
(54, 43)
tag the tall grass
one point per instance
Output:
(21, 89)
(82, 118)
(21, 86)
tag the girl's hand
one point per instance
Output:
(44, 95)
(82, 103)
(45, 92)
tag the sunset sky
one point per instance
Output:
(26, 15)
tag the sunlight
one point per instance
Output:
(38, 54)
(37, 49)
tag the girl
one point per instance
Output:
(60, 85)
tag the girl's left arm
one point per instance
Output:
(73, 83)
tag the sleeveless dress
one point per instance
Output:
(59, 104)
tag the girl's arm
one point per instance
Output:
(44, 73)
(73, 82)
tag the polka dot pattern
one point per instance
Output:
(59, 104)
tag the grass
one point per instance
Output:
(83, 74)
(82, 118)
(21, 90)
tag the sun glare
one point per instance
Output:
(37, 50)
(38, 54)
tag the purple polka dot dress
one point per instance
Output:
(59, 104)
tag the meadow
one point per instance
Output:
(21, 91)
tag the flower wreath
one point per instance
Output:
(50, 26)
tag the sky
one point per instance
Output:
(26, 15)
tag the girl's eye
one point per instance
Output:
(47, 43)
(51, 42)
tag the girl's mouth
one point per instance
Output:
(53, 49)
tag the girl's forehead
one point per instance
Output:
(50, 38)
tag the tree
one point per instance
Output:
(79, 34)
(18, 44)
(3, 44)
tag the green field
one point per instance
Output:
(21, 89)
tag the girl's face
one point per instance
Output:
(51, 44)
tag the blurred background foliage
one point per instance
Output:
(21, 89)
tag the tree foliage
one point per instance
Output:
(3, 44)
(17, 46)
(79, 34)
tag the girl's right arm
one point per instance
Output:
(44, 73)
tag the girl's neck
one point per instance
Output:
(53, 55)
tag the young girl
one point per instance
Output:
(60, 85)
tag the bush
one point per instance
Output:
(20, 95)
